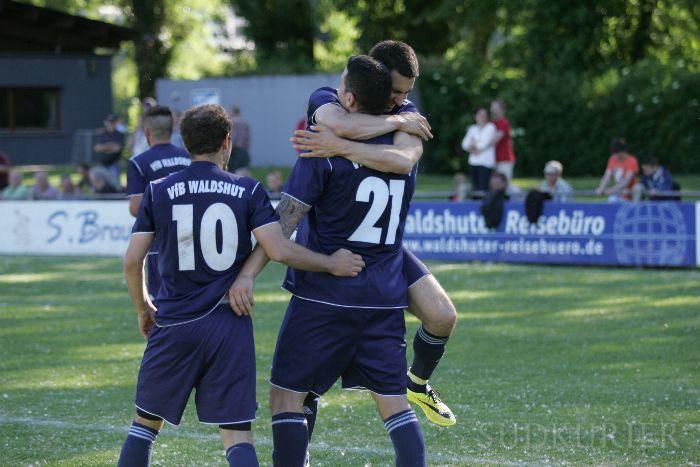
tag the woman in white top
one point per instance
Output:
(479, 143)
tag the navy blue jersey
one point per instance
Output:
(357, 208)
(203, 218)
(159, 161)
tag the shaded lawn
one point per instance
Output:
(547, 365)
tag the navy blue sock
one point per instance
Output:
(407, 438)
(427, 352)
(136, 451)
(311, 411)
(290, 439)
(242, 455)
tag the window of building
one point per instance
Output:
(29, 109)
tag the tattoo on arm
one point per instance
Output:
(291, 212)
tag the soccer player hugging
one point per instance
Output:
(203, 218)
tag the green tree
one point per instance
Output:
(282, 30)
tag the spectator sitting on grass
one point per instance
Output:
(622, 169)
(68, 189)
(102, 181)
(554, 184)
(656, 178)
(16, 190)
(42, 189)
(85, 185)
(273, 184)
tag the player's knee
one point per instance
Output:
(283, 400)
(150, 420)
(443, 320)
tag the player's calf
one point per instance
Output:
(290, 436)
(138, 445)
(237, 439)
(402, 425)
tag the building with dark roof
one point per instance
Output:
(54, 82)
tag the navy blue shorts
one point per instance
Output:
(152, 275)
(413, 267)
(320, 343)
(214, 355)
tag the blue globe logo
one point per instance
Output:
(650, 234)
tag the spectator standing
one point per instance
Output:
(479, 143)
(240, 138)
(622, 169)
(505, 157)
(139, 143)
(554, 184)
(16, 190)
(42, 189)
(273, 184)
(492, 206)
(656, 178)
(5, 167)
(110, 143)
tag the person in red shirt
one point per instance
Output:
(622, 169)
(505, 157)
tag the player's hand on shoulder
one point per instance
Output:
(345, 263)
(415, 124)
(240, 295)
(320, 141)
(147, 319)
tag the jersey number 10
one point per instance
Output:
(367, 232)
(183, 215)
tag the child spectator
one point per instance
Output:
(622, 169)
(16, 190)
(42, 189)
(493, 204)
(554, 184)
(656, 178)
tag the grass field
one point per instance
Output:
(549, 365)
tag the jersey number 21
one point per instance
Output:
(367, 230)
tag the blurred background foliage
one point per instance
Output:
(573, 74)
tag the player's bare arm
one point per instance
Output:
(398, 158)
(363, 126)
(133, 271)
(134, 202)
(273, 243)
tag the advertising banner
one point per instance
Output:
(65, 227)
(623, 234)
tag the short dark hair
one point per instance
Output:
(203, 128)
(618, 145)
(500, 175)
(651, 159)
(370, 82)
(159, 119)
(397, 55)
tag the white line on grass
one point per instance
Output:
(261, 441)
